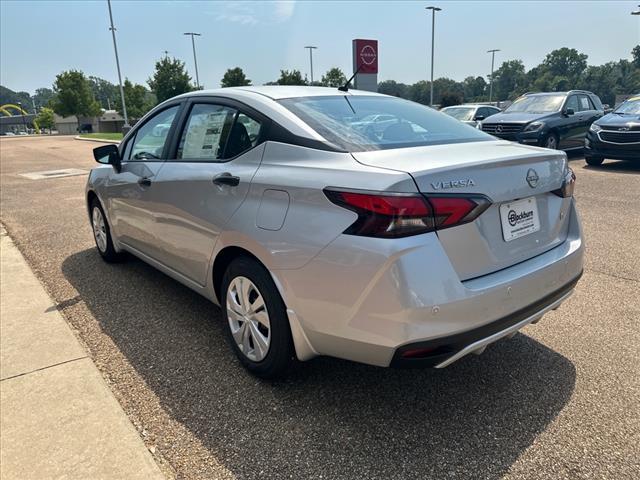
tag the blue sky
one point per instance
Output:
(39, 39)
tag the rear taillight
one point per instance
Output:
(393, 215)
(568, 184)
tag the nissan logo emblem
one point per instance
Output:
(368, 55)
(532, 178)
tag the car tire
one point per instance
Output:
(260, 336)
(102, 234)
(550, 141)
(594, 161)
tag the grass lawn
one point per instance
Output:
(105, 136)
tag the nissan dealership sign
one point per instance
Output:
(365, 62)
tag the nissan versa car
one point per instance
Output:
(616, 135)
(413, 247)
(557, 120)
(470, 113)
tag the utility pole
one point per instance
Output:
(493, 56)
(126, 126)
(311, 49)
(195, 60)
(433, 28)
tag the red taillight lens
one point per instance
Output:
(386, 216)
(401, 215)
(568, 185)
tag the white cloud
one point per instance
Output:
(284, 10)
(252, 13)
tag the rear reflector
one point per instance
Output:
(393, 215)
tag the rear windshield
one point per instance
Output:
(362, 123)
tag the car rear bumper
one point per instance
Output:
(366, 299)
(594, 147)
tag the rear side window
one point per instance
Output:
(585, 103)
(216, 133)
(349, 122)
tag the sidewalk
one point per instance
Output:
(58, 419)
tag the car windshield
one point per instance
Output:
(536, 104)
(459, 113)
(630, 107)
(349, 123)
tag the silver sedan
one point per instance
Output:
(412, 247)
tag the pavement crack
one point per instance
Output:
(614, 275)
(43, 368)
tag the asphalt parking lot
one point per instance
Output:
(561, 400)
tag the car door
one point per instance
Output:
(217, 151)
(128, 191)
(588, 115)
(570, 124)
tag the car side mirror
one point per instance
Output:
(108, 155)
(569, 111)
(479, 117)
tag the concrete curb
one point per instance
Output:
(97, 140)
(58, 417)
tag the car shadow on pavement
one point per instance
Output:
(330, 418)
(617, 166)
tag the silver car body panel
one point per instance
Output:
(352, 297)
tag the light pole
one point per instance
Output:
(24, 123)
(195, 60)
(433, 28)
(493, 56)
(126, 125)
(311, 49)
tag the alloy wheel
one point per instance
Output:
(248, 319)
(552, 143)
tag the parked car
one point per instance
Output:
(616, 135)
(471, 114)
(558, 120)
(374, 124)
(411, 249)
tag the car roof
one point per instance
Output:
(278, 92)
(471, 105)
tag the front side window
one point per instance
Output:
(150, 139)
(536, 104)
(349, 122)
(573, 103)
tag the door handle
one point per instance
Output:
(144, 182)
(226, 179)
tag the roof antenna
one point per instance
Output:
(345, 87)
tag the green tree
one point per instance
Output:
(420, 92)
(45, 118)
(450, 98)
(635, 53)
(510, 80)
(137, 100)
(293, 77)
(234, 77)
(106, 93)
(169, 79)
(391, 87)
(74, 95)
(43, 97)
(474, 89)
(9, 96)
(333, 78)
(565, 62)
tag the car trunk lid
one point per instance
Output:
(504, 172)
